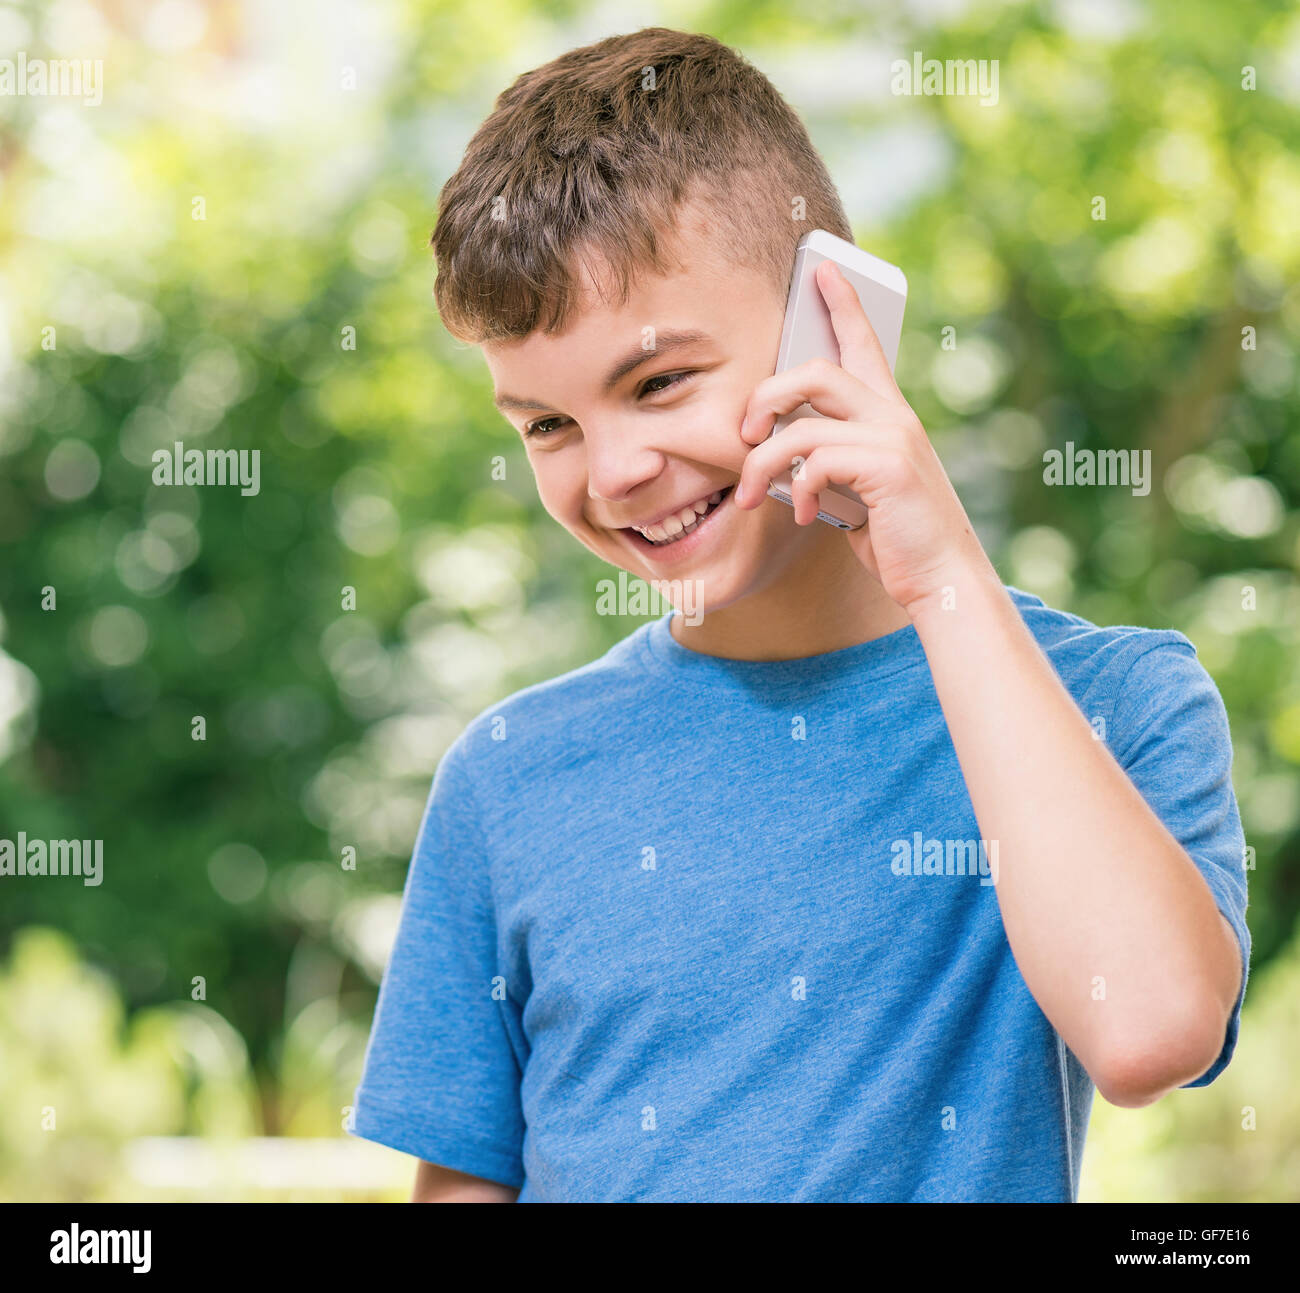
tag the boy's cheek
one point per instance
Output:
(713, 439)
(709, 438)
(560, 498)
(728, 451)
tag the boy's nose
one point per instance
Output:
(618, 461)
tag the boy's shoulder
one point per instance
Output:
(1137, 681)
(1125, 673)
(561, 712)
(1071, 638)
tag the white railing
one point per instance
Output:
(284, 1163)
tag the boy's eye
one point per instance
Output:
(540, 426)
(673, 379)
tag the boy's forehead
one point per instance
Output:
(700, 298)
(696, 269)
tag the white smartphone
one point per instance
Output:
(809, 334)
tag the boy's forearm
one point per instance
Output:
(436, 1184)
(468, 1194)
(1113, 929)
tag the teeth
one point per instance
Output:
(679, 523)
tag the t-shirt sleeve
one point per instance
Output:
(1172, 739)
(441, 1077)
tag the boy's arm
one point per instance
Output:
(1092, 886)
(443, 1065)
(434, 1184)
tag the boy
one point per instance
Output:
(854, 887)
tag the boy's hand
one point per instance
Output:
(918, 538)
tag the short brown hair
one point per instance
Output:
(596, 152)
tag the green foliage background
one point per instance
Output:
(312, 141)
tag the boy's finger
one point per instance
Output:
(766, 461)
(823, 386)
(828, 464)
(860, 351)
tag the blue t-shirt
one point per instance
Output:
(680, 927)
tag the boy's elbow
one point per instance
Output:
(1144, 1069)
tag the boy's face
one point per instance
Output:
(629, 424)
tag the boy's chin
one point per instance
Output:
(710, 588)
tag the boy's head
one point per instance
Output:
(618, 240)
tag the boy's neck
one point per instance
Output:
(811, 608)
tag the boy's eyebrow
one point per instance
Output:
(665, 342)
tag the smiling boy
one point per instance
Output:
(855, 888)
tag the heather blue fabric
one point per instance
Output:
(653, 945)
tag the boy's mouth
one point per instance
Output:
(678, 525)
